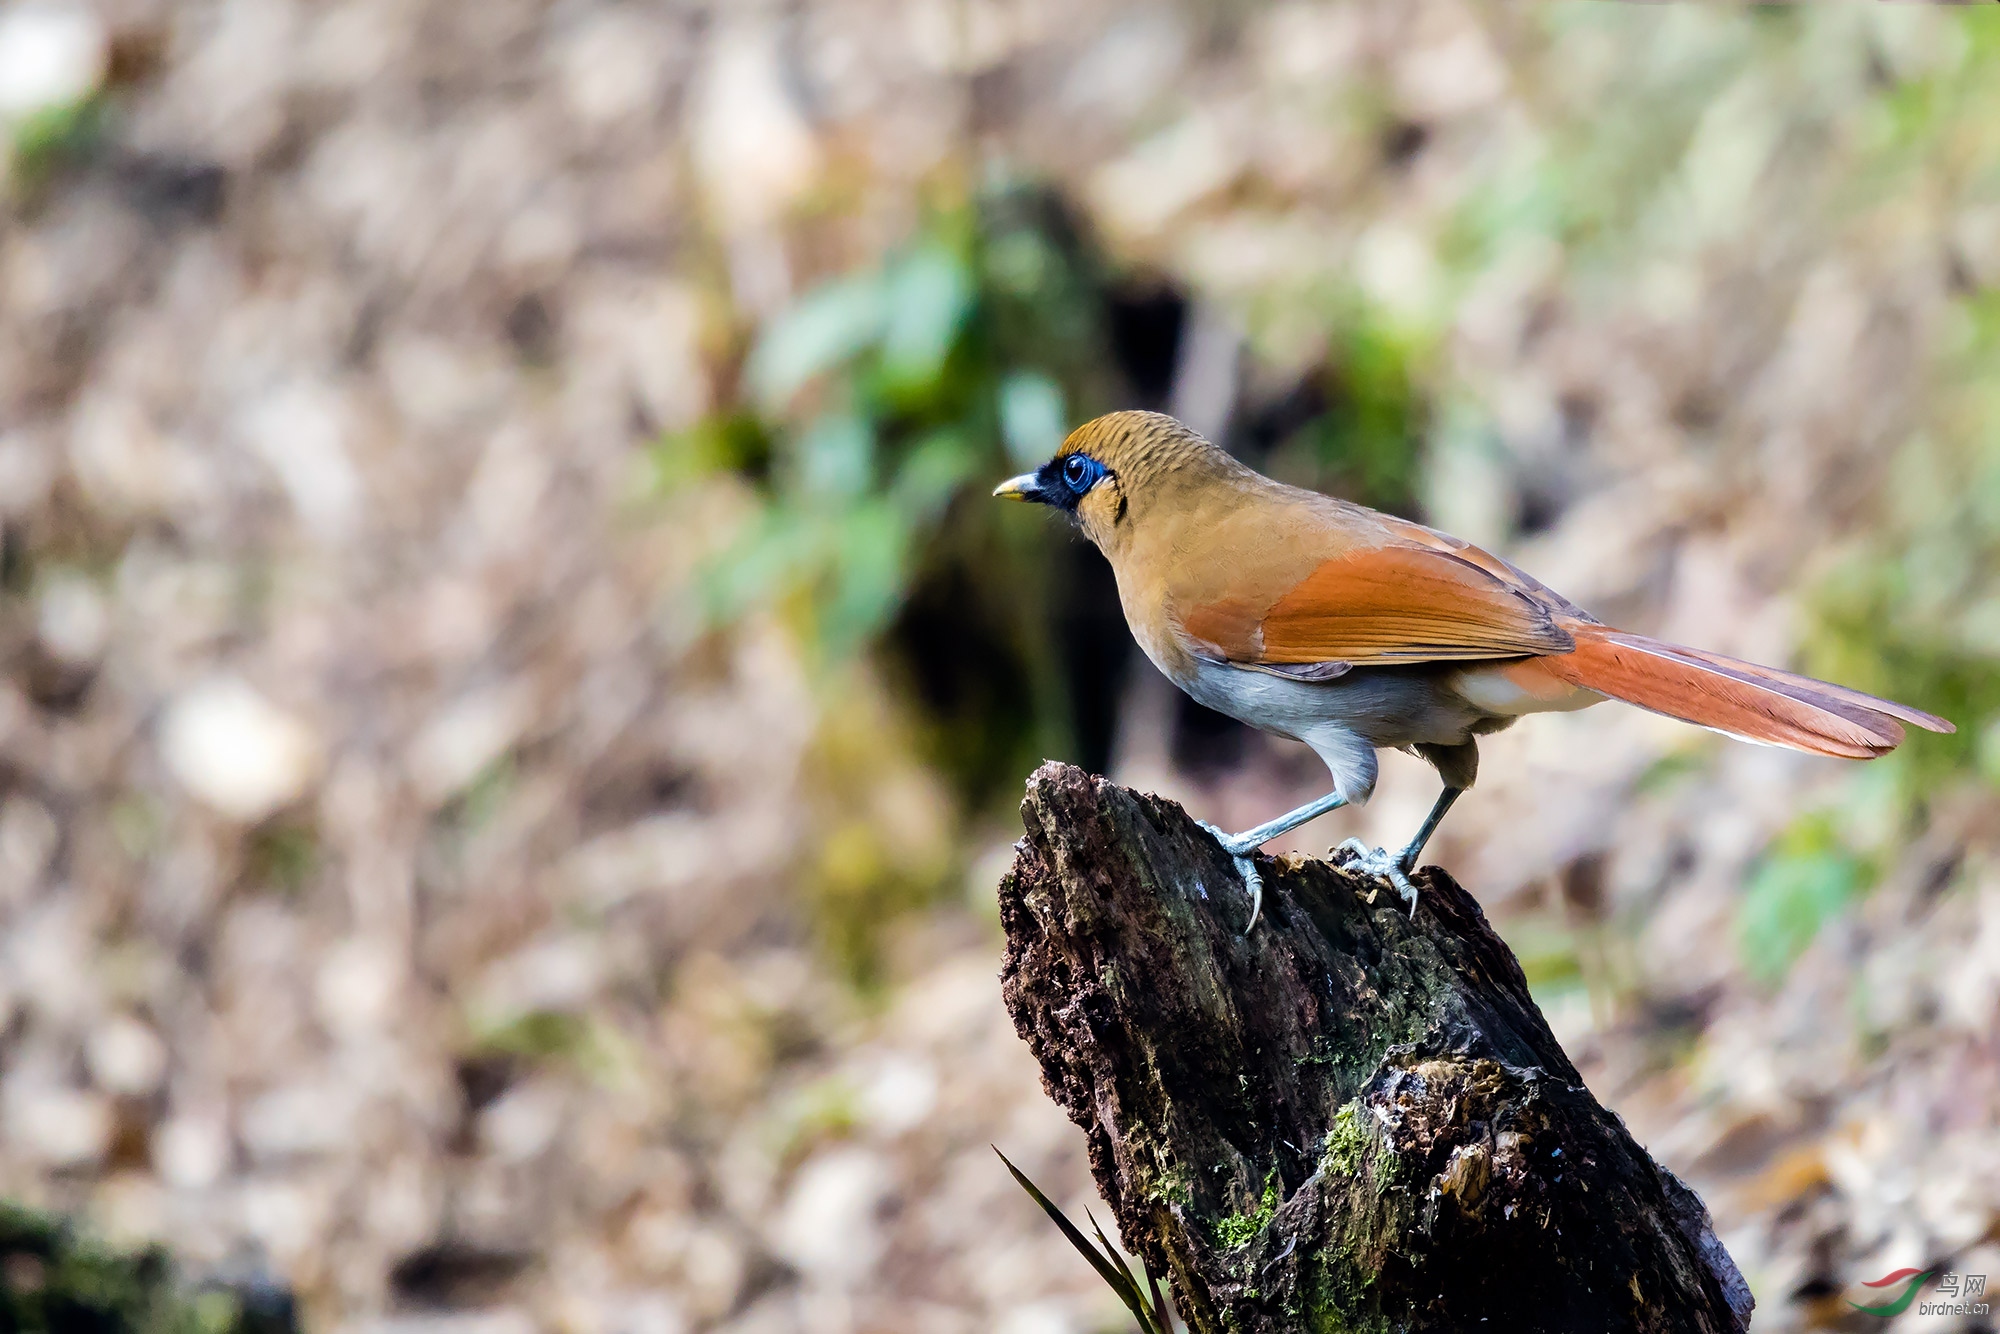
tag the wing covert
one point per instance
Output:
(1379, 605)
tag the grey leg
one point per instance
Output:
(1240, 846)
(1415, 848)
(1396, 869)
(1251, 839)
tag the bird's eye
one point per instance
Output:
(1078, 473)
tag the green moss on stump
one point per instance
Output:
(1242, 1229)
(1346, 1141)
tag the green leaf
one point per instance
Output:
(871, 553)
(837, 457)
(1020, 262)
(1807, 878)
(775, 552)
(720, 442)
(932, 474)
(45, 139)
(830, 326)
(929, 296)
(1031, 416)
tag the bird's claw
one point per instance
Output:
(1236, 845)
(1380, 863)
(1240, 855)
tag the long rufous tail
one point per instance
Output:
(1739, 698)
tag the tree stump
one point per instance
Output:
(1350, 1119)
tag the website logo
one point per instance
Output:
(1957, 1294)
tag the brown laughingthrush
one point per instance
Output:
(1351, 630)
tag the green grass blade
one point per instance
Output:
(1163, 1316)
(1162, 1319)
(1110, 1266)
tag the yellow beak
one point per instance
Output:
(1022, 488)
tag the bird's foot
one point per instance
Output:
(1236, 845)
(1240, 853)
(1380, 863)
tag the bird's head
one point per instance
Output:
(1117, 471)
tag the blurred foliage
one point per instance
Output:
(281, 855)
(875, 415)
(54, 1280)
(825, 1110)
(885, 844)
(874, 400)
(1366, 413)
(47, 140)
(1913, 611)
(585, 1043)
(857, 888)
(1807, 877)
(535, 1036)
(1547, 951)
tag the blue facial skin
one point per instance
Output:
(1064, 482)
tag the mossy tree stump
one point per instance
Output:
(1348, 1120)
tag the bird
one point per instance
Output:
(1355, 631)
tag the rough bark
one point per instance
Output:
(1350, 1119)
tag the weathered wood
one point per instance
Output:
(1349, 1120)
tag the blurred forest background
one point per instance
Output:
(514, 693)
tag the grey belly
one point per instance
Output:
(1346, 720)
(1384, 706)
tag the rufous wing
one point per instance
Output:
(1378, 605)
